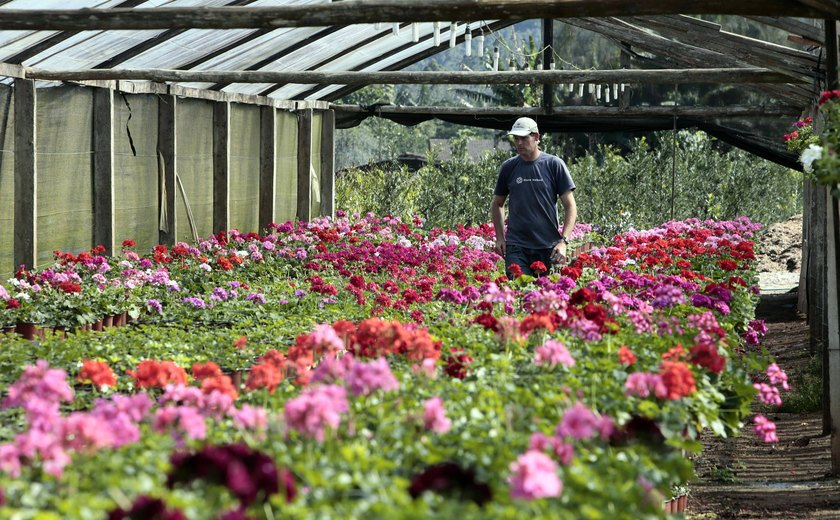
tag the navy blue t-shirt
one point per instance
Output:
(532, 188)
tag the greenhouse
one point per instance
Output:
(251, 264)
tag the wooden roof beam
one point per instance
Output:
(368, 11)
(664, 76)
(581, 111)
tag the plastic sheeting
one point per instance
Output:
(7, 181)
(194, 167)
(136, 171)
(244, 191)
(286, 164)
(64, 160)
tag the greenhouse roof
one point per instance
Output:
(274, 43)
(359, 47)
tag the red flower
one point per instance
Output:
(828, 95)
(70, 287)
(219, 383)
(727, 265)
(264, 375)
(678, 379)
(626, 356)
(515, 270)
(707, 356)
(241, 342)
(202, 371)
(158, 374)
(488, 321)
(536, 321)
(128, 243)
(97, 373)
(538, 267)
(12, 304)
(572, 272)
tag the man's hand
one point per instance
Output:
(501, 247)
(558, 254)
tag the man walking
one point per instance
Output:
(534, 180)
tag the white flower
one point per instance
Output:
(809, 155)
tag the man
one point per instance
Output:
(534, 180)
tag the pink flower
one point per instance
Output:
(765, 428)
(534, 476)
(39, 385)
(541, 442)
(184, 422)
(250, 417)
(332, 369)
(427, 368)
(316, 409)
(553, 353)
(365, 378)
(434, 416)
(643, 384)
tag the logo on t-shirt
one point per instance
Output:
(519, 180)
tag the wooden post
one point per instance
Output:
(103, 169)
(304, 156)
(166, 161)
(221, 166)
(268, 162)
(832, 315)
(547, 59)
(26, 176)
(328, 164)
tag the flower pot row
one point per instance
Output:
(31, 331)
(676, 504)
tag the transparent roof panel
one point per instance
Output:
(356, 47)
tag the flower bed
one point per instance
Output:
(366, 367)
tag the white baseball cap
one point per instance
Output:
(524, 126)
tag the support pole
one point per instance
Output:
(328, 164)
(166, 163)
(26, 176)
(268, 184)
(103, 169)
(304, 155)
(547, 59)
(221, 166)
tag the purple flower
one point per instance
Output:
(365, 378)
(154, 306)
(257, 298)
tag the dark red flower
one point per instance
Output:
(12, 304)
(147, 508)
(457, 363)
(706, 355)
(515, 270)
(451, 480)
(128, 243)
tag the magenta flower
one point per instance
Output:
(768, 394)
(578, 423)
(316, 409)
(765, 428)
(534, 476)
(184, 422)
(777, 376)
(553, 353)
(434, 416)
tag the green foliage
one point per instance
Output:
(806, 388)
(615, 192)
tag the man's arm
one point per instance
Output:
(497, 215)
(559, 254)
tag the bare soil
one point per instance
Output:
(743, 477)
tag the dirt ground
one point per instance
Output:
(743, 477)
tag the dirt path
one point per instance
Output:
(743, 477)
